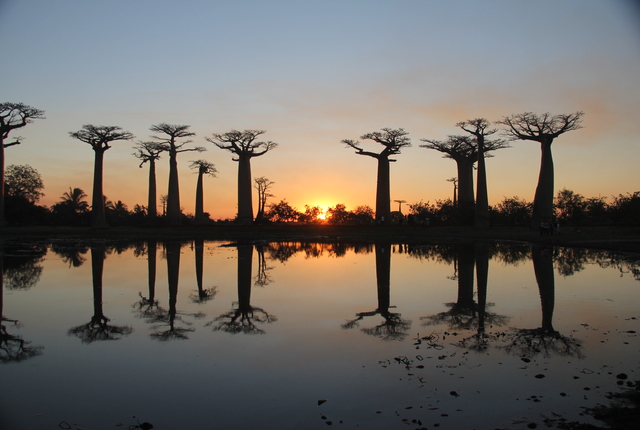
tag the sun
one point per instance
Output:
(322, 216)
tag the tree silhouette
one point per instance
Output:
(98, 328)
(169, 134)
(262, 185)
(542, 128)
(12, 116)
(243, 319)
(244, 145)
(393, 327)
(203, 168)
(150, 152)
(100, 138)
(393, 141)
(162, 317)
(464, 151)
(147, 307)
(479, 128)
(544, 339)
(204, 294)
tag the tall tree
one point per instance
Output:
(203, 167)
(244, 145)
(150, 152)
(542, 128)
(463, 150)
(169, 136)
(479, 128)
(100, 138)
(12, 116)
(393, 141)
(262, 185)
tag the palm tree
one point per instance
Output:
(74, 199)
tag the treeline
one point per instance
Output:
(24, 187)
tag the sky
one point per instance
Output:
(312, 73)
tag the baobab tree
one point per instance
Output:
(12, 116)
(463, 150)
(479, 128)
(262, 185)
(203, 167)
(168, 137)
(244, 145)
(393, 141)
(100, 138)
(542, 128)
(149, 152)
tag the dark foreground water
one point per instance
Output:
(204, 335)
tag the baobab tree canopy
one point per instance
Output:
(542, 128)
(245, 146)
(393, 141)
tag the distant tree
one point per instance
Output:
(513, 210)
(464, 151)
(168, 136)
(262, 185)
(479, 128)
(12, 116)
(100, 138)
(625, 208)
(203, 168)
(311, 215)
(150, 152)
(244, 145)
(339, 214)
(282, 212)
(364, 214)
(570, 206)
(393, 141)
(542, 128)
(23, 181)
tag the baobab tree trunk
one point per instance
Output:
(466, 264)
(245, 201)
(245, 260)
(152, 206)
(543, 269)
(97, 267)
(173, 276)
(482, 196)
(482, 272)
(151, 268)
(1, 182)
(383, 277)
(173, 195)
(98, 219)
(383, 192)
(543, 200)
(465, 190)
(199, 199)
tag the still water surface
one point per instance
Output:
(204, 334)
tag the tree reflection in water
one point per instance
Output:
(98, 328)
(18, 266)
(162, 317)
(244, 317)
(203, 294)
(465, 313)
(393, 327)
(544, 340)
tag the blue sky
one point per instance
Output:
(312, 73)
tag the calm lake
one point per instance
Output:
(206, 334)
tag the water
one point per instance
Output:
(198, 335)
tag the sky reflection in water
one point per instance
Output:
(202, 334)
